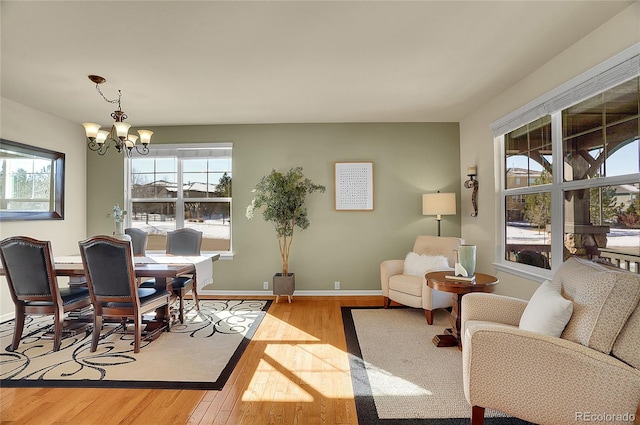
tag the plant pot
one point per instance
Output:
(284, 285)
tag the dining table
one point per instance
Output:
(157, 271)
(158, 266)
(161, 267)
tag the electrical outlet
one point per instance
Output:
(336, 284)
(265, 285)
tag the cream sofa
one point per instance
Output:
(589, 374)
(412, 290)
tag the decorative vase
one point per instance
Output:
(119, 232)
(467, 258)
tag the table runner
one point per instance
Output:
(203, 263)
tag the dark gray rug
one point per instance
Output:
(402, 378)
(199, 354)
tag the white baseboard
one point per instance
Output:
(302, 293)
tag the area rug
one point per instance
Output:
(399, 376)
(199, 354)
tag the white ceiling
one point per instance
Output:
(213, 62)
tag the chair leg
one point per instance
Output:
(137, 326)
(386, 302)
(17, 332)
(181, 314)
(58, 324)
(477, 415)
(429, 315)
(97, 328)
(195, 296)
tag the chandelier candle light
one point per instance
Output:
(101, 140)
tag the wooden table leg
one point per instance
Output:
(452, 337)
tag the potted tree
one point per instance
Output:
(282, 197)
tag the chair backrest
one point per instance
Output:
(28, 266)
(109, 267)
(438, 245)
(184, 242)
(139, 239)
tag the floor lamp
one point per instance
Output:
(439, 204)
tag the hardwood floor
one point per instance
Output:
(294, 371)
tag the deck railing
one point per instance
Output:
(625, 258)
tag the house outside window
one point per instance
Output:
(182, 186)
(580, 166)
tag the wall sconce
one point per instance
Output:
(439, 204)
(472, 183)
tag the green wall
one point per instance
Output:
(408, 159)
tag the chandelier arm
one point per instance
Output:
(102, 148)
(144, 151)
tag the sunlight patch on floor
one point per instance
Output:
(303, 372)
(383, 383)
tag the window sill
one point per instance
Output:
(224, 255)
(527, 272)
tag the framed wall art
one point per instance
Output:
(353, 186)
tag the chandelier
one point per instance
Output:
(101, 140)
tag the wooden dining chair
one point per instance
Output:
(29, 270)
(185, 242)
(109, 267)
(139, 239)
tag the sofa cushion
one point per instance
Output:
(627, 345)
(603, 299)
(418, 264)
(547, 311)
(407, 284)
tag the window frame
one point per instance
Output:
(56, 198)
(175, 150)
(531, 112)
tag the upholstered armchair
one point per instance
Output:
(409, 287)
(585, 368)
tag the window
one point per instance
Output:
(31, 182)
(178, 186)
(589, 194)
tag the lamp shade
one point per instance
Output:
(91, 129)
(439, 204)
(145, 136)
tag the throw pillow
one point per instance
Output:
(418, 264)
(547, 311)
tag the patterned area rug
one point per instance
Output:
(199, 354)
(399, 376)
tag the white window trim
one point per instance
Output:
(179, 150)
(612, 72)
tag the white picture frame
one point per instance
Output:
(353, 186)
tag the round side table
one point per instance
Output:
(439, 282)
